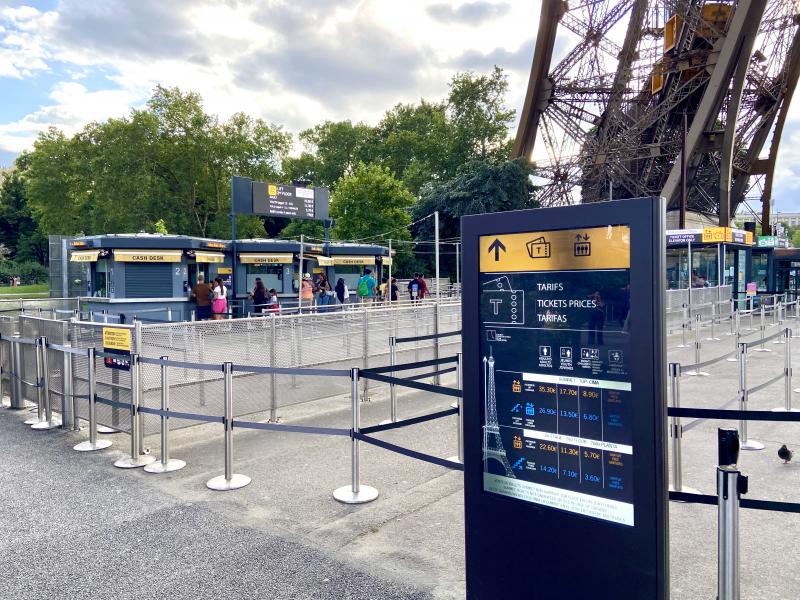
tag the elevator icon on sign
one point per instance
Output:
(582, 246)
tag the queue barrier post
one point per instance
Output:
(737, 335)
(40, 417)
(712, 337)
(355, 493)
(787, 369)
(365, 349)
(392, 386)
(763, 327)
(459, 458)
(731, 484)
(230, 480)
(676, 433)
(273, 362)
(436, 378)
(136, 459)
(746, 444)
(696, 372)
(781, 340)
(92, 443)
(17, 401)
(166, 464)
(684, 323)
(44, 389)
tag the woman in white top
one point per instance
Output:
(220, 304)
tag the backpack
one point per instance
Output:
(363, 286)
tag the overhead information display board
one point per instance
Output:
(276, 200)
(558, 426)
(564, 402)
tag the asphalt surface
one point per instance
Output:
(73, 526)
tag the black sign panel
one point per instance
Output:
(564, 402)
(121, 360)
(276, 200)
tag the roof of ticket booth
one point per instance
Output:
(146, 241)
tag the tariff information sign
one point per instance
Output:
(555, 347)
(117, 341)
(284, 201)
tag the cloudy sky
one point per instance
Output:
(292, 62)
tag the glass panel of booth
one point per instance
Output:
(271, 276)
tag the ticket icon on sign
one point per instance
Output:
(538, 248)
(502, 305)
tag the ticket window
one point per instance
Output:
(196, 269)
(351, 274)
(677, 268)
(705, 270)
(760, 264)
(271, 276)
(102, 278)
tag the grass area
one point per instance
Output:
(21, 291)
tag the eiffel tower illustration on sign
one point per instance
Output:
(492, 442)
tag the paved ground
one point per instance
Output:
(73, 526)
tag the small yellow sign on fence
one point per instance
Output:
(115, 338)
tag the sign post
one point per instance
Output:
(564, 397)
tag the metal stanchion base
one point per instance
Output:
(104, 429)
(454, 459)
(752, 445)
(685, 490)
(783, 409)
(346, 495)
(386, 422)
(762, 350)
(221, 484)
(696, 374)
(33, 421)
(454, 405)
(88, 446)
(711, 339)
(134, 463)
(731, 360)
(173, 464)
(43, 425)
(779, 342)
(684, 345)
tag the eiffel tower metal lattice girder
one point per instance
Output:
(611, 80)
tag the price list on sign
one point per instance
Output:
(555, 347)
(284, 201)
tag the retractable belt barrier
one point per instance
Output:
(770, 505)
(432, 336)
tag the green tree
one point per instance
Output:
(480, 187)
(371, 202)
(796, 238)
(310, 228)
(19, 231)
(480, 119)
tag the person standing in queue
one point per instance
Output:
(220, 304)
(203, 296)
(413, 288)
(423, 287)
(324, 291)
(342, 293)
(274, 306)
(366, 286)
(259, 296)
(306, 292)
(394, 291)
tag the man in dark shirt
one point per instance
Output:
(203, 295)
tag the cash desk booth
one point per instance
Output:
(277, 263)
(147, 276)
(714, 255)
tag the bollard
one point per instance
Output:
(733, 311)
(166, 464)
(68, 388)
(731, 484)
(355, 493)
(787, 369)
(743, 397)
(136, 459)
(459, 458)
(392, 387)
(230, 480)
(273, 378)
(44, 388)
(92, 443)
(676, 433)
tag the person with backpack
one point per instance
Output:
(413, 288)
(366, 287)
(423, 287)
